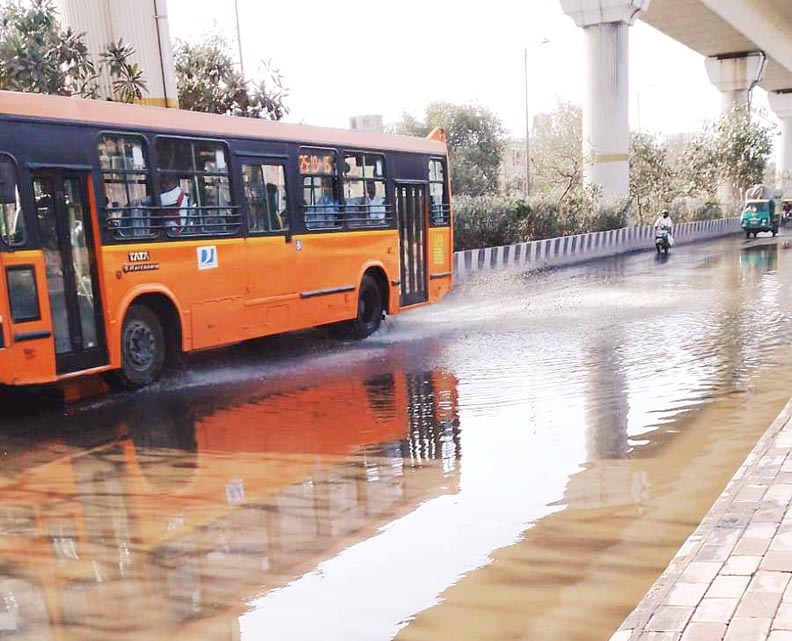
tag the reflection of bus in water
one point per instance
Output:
(171, 528)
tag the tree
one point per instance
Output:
(208, 80)
(697, 166)
(652, 181)
(128, 83)
(744, 147)
(557, 151)
(735, 151)
(476, 141)
(38, 56)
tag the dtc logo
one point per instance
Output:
(207, 257)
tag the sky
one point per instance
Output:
(396, 57)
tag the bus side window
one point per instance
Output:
(12, 219)
(126, 179)
(364, 190)
(439, 209)
(320, 189)
(195, 193)
(265, 197)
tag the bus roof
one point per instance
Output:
(120, 115)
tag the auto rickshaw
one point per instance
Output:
(786, 211)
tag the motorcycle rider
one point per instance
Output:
(664, 222)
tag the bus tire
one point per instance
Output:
(142, 347)
(369, 309)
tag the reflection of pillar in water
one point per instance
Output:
(433, 420)
(607, 400)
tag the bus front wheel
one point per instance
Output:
(369, 310)
(142, 347)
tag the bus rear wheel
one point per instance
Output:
(369, 310)
(142, 347)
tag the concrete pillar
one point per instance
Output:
(781, 104)
(735, 76)
(141, 23)
(606, 125)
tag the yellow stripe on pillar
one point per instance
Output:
(171, 103)
(603, 158)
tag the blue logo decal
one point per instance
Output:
(207, 257)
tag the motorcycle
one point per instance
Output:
(662, 243)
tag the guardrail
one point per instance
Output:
(568, 250)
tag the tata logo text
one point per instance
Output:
(207, 257)
(139, 257)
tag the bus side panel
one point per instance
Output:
(206, 276)
(271, 303)
(29, 354)
(333, 261)
(440, 258)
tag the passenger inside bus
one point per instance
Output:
(273, 207)
(323, 212)
(173, 197)
(375, 202)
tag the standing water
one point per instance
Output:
(520, 461)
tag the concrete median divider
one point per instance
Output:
(569, 250)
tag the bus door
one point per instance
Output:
(67, 241)
(411, 212)
(269, 249)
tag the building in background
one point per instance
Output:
(512, 176)
(141, 23)
(369, 122)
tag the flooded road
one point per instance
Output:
(520, 461)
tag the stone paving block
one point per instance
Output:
(764, 581)
(659, 636)
(747, 630)
(752, 546)
(742, 565)
(783, 618)
(779, 493)
(704, 632)
(688, 594)
(728, 587)
(759, 605)
(781, 542)
(669, 618)
(780, 635)
(751, 493)
(622, 635)
(761, 531)
(719, 552)
(715, 610)
(700, 572)
(771, 515)
(777, 561)
(722, 536)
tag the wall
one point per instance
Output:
(582, 247)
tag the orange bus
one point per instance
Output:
(130, 234)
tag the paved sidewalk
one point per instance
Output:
(730, 581)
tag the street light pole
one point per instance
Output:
(527, 133)
(544, 41)
(239, 39)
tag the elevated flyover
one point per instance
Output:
(746, 43)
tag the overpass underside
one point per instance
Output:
(746, 43)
